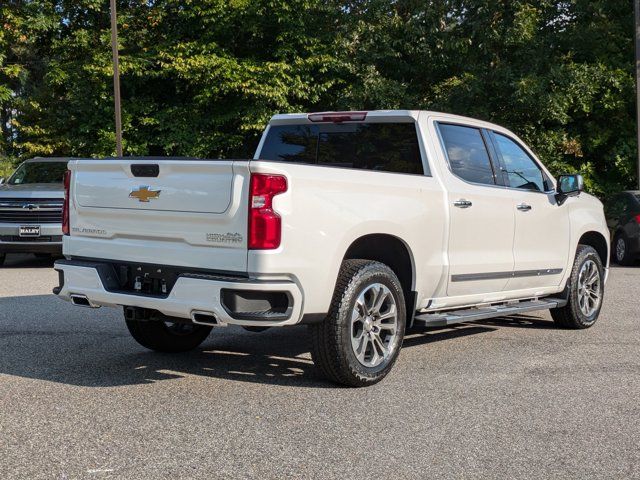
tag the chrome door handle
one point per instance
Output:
(462, 203)
(523, 207)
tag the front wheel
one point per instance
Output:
(585, 291)
(171, 337)
(360, 340)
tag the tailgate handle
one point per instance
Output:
(145, 170)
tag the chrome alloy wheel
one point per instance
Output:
(621, 248)
(374, 325)
(589, 288)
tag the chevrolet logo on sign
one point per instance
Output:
(143, 194)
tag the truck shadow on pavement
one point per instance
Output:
(519, 321)
(44, 338)
(15, 261)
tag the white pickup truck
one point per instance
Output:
(360, 224)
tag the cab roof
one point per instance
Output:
(379, 116)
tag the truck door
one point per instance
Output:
(542, 233)
(482, 218)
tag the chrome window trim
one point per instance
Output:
(495, 185)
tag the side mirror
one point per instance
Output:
(568, 186)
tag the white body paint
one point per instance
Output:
(200, 221)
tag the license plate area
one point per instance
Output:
(29, 231)
(142, 279)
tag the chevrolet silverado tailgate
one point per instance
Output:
(165, 212)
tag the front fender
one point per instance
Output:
(587, 217)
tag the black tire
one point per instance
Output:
(331, 349)
(169, 337)
(571, 315)
(2, 258)
(623, 258)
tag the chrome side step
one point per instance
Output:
(443, 319)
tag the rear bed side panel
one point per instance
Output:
(198, 220)
(326, 209)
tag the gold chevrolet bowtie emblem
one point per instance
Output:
(143, 194)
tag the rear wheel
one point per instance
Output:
(585, 291)
(2, 257)
(621, 253)
(360, 340)
(167, 336)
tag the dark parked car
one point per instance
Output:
(623, 219)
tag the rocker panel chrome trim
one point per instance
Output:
(469, 277)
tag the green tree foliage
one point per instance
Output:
(202, 77)
(199, 78)
(560, 74)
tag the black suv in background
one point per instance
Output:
(623, 219)
(31, 208)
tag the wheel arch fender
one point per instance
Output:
(597, 240)
(394, 252)
(593, 236)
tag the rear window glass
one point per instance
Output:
(387, 147)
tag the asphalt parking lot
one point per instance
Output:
(510, 398)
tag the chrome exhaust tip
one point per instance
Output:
(82, 301)
(206, 318)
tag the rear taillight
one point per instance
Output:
(637, 217)
(265, 225)
(337, 117)
(65, 205)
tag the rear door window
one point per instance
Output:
(386, 147)
(467, 153)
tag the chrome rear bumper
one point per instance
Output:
(189, 297)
